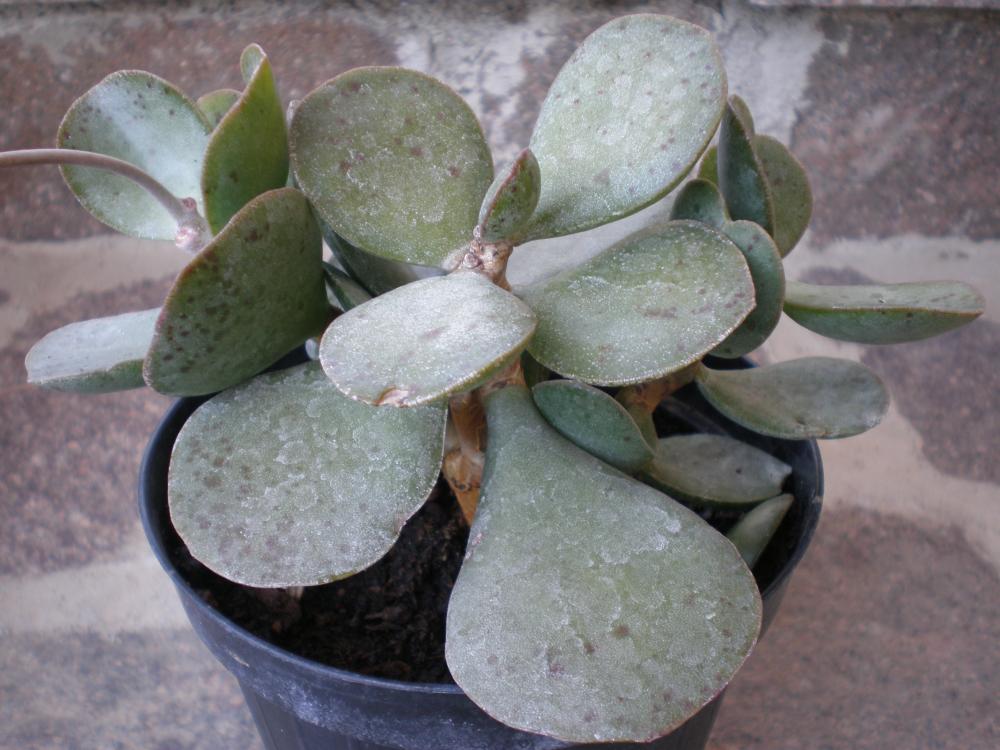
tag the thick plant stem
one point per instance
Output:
(463, 464)
(487, 258)
(192, 231)
(645, 397)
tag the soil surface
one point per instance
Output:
(387, 621)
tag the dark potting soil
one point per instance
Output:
(387, 621)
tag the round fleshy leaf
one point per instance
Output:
(593, 420)
(790, 191)
(248, 152)
(742, 111)
(283, 481)
(653, 303)
(709, 169)
(253, 294)
(700, 200)
(346, 291)
(813, 397)
(754, 531)
(883, 313)
(376, 274)
(715, 471)
(93, 356)
(511, 199)
(590, 607)
(394, 161)
(741, 176)
(425, 340)
(624, 121)
(768, 275)
(144, 120)
(215, 104)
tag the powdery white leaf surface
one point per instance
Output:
(253, 294)
(741, 176)
(144, 120)
(715, 470)
(883, 313)
(248, 152)
(425, 340)
(768, 274)
(700, 200)
(93, 356)
(215, 104)
(653, 303)
(593, 420)
(626, 118)
(752, 533)
(590, 607)
(394, 161)
(511, 198)
(283, 481)
(790, 191)
(812, 397)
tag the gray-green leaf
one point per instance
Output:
(376, 274)
(394, 161)
(250, 296)
(624, 121)
(648, 306)
(883, 313)
(715, 471)
(146, 121)
(346, 291)
(700, 200)
(741, 175)
(93, 356)
(789, 188)
(425, 340)
(754, 531)
(812, 397)
(511, 199)
(590, 607)
(768, 275)
(593, 420)
(282, 481)
(215, 104)
(248, 152)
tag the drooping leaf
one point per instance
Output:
(741, 176)
(248, 152)
(812, 397)
(215, 104)
(700, 200)
(790, 191)
(883, 313)
(93, 356)
(250, 296)
(347, 292)
(511, 199)
(754, 531)
(144, 120)
(624, 121)
(283, 481)
(768, 275)
(645, 307)
(715, 471)
(394, 161)
(593, 420)
(590, 607)
(425, 340)
(376, 274)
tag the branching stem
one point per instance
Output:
(645, 397)
(192, 231)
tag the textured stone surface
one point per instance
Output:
(887, 635)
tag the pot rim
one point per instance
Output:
(150, 474)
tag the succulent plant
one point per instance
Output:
(594, 602)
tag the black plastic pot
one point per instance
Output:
(299, 704)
